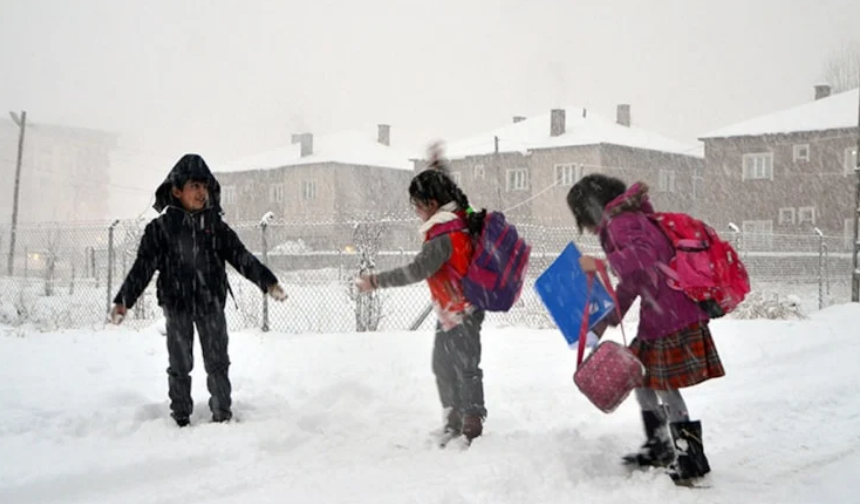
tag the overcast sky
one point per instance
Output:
(231, 79)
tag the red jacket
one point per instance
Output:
(446, 287)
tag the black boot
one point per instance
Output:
(657, 450)
(181, 420)
(691, 461)
(453, 421)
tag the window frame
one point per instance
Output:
(795, 156)
(308, 190)
(792, 221)
(565, 169)
(749, 173)
(670, 185)
(517, 186)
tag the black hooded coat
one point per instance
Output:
(189, 249)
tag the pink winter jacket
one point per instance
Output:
(634, 245)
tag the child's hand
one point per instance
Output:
(364, 283)
(591, 339)
(277, 292)
(588, 263)
(117, 314)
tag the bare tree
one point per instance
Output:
(53, 242)
(842, 69)
(367, 236)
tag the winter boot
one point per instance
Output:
(180, 419)
(453, 421)
(473, 426)
(691, 461)
(222, 416)
(657, 450)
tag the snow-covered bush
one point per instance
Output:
(769, 305)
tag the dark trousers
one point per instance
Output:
(212, 330)
(456, 364)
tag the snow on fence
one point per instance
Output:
(65, 276)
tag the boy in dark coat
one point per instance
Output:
(188, 244)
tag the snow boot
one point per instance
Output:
(657, 450)
(222, 416)
(473, 426)
(691, 461)
(453, 421)
(181, 420)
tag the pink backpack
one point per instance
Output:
(611, 371)
(705, 267)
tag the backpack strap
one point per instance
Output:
(583, 330)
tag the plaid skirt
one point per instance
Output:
(679, 360)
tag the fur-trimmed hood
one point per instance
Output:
(634, 200)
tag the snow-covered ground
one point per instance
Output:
(344, 418)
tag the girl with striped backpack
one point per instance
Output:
(473, 262)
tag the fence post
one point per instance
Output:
(820, 267)
(736, 232)
(264, 226)
(110, 265)
(93, 269)
(826, 274)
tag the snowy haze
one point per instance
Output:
(232, 79)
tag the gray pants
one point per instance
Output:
(456, 364)
(212, 330)
(659, 400)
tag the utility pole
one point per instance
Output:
(855, 273)
(22, 125)
(497, 173)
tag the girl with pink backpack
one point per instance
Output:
(673, 341)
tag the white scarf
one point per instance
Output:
(444, 214)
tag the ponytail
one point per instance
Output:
(474, 220)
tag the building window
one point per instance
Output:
(478, 173)
(518, 179)
(276, 193)
(758, 166)
(806, 215)
(457, 177)
(786, 216)
(850, 160)
(228, 195)
(758, 235)
(567, 174)
(849, 234)
(309, 190)
(801, 152)
(667, 181)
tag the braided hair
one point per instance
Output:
(435, 184)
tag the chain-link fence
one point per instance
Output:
(66, 276)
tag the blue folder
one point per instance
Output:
(563, 289)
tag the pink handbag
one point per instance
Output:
(611, 371)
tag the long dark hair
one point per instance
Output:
(435, 184)
(588, 197)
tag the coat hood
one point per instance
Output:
(189, 167)
(635, 199)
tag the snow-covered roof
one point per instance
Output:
(593, 129)
(834, 112)
(346, 147)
